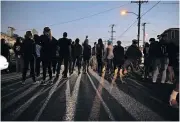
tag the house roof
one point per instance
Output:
(170, 29)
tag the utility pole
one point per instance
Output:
(112, 32)
(144, 33)
(139, 16)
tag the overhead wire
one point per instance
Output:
(141, 17)
(82, 17)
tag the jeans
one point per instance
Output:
(86, 63)
(38, 61)
(78, 59)
(47, 65)
(19, 64)
(54, 64)
(160, 65)
(109, 65)
(66, 61)
(27, 61)
(100, 64)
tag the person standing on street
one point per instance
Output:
(146, 60)
(48, 45)
(93, 59)
(100, 55)
(118, 56)
(5, 52)
(133, 54)
(72, 57)
(18, 54)
(77, 52)
(38, 58)
(109, 57)
(86, 55)
(29, 55)
(65, 54)
(55, 55)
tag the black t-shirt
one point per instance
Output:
(64, 44)
(77, 50)
(99, 50)
(118, 52)
(87, 51)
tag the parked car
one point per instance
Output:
(4, 64)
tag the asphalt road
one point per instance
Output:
(85, 97)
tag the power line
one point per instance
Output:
(128, 28)
(84, 16)
(137, 20)
(151, 8)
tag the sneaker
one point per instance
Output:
(169, 82)
(154, 81)
(53, 74)
(162, 82)
(23, 82)
(43, 83)
(51, 82)
(36, 82)
(64, 77)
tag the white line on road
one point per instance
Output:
(48, 98)
(71, 101)
(135, 108)
(19, 89)
(54, 88)
(101, 99)
(14, 100)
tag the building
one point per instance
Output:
(11, 40)
(172, 35)
(34, 32)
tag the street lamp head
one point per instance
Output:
(123, 12)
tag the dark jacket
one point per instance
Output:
(172, 51)
(133, 52)
(5, 50)
(87, 51)
(48, 47)
(118, 52)
(65, 47)
(77, 50)
(99, 51)
(17, 48)
(28, 48)
(94, 50)
(155, 50)
(146, 51)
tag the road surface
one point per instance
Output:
(85, 97)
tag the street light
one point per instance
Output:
(124, 12)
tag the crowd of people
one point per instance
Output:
(159, 57)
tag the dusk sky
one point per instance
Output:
(28, 15)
